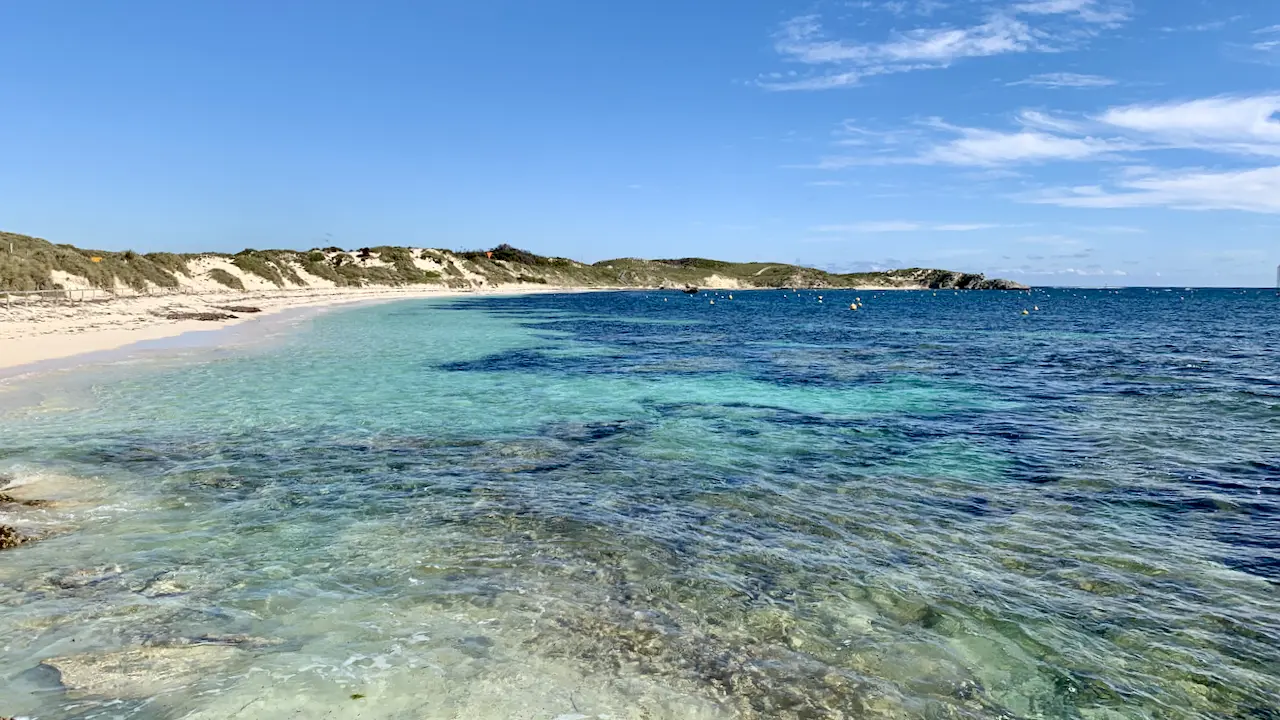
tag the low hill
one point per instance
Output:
(28, 263)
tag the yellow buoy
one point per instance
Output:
(853, 306)
(1025, 312)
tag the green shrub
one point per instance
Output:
(225, 278)
(251, 262)
(283, 261)
(169, 262)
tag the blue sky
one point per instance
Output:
(1087, 142)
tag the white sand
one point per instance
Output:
(36, 332)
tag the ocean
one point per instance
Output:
(1055, 504)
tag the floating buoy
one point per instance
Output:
(1026, 312)
(1036, 308)
(853, 306)
(713, 302)
(857, 299)
(731, 297)
(819, 297)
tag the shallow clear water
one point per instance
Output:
(642, 505)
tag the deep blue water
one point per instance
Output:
(647, 505)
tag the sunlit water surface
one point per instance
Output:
(644, 505)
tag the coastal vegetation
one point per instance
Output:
(28, 263)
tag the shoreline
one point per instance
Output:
(33, 337)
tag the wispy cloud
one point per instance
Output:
(1090, 11)
(1234, 125)
(1242, 128)
(845, 62)
(1240, 125)
(1255, 190)
(901, 8)
(892, 226)
(982, 148)
(1204, 26)
(986, 148)
(802, 40)
(1066, 80)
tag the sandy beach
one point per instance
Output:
(39, 332)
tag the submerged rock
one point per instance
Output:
(142, 672)
(85, 577)
(11, 538)
(7, 499)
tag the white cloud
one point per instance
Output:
(1243, 125)
(978, 147)
(1066, 80)
(1043, 121)
(1256, 190)
(801, 40)
(843, 62)
(1235, 125)
(1202, 27)
(892, 226)
(1090, 11)
(985, 148)
(901, 7)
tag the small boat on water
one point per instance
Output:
(690, 290)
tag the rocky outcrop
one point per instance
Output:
(10, 538)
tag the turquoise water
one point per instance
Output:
(642, 505)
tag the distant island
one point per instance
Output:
(28, 263)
